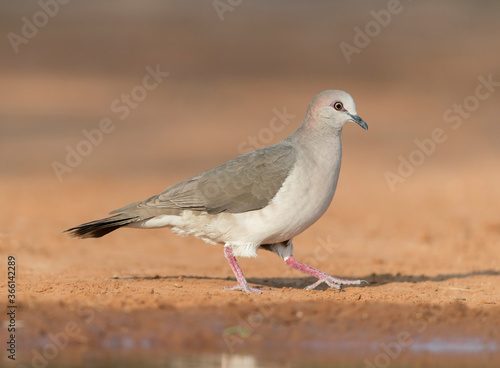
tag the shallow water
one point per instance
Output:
(460, 346)
(459, 352)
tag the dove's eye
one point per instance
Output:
(338, 106)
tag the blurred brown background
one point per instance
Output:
(231, 67)
(227, 76)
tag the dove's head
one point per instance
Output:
(332, 109)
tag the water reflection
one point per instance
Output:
(466, 352)
(192, 361)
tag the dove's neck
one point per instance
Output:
(319, 140)
(317, 168)
(320, 148)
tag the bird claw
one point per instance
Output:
(334, 282)
(245, 288)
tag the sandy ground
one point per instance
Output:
(428, 246)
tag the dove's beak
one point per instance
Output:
(359, 121)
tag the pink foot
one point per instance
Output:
(245, 288)
(333, 282)
(242, 282)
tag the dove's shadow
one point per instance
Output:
(373, 280)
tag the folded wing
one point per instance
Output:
(244, 184)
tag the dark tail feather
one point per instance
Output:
(98, 228)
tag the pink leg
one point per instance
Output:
(333, 282)
(242, 282)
